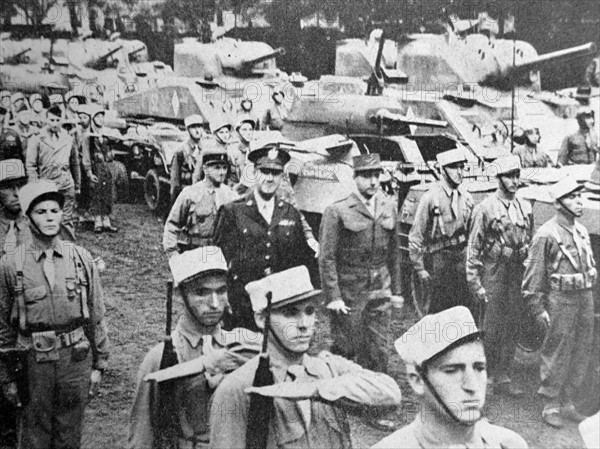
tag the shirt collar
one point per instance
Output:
(187, 328)
(38, 248)
(308, 363)
(449, 189)
(262, 203)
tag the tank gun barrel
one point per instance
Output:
(101, 62)
(248, 64)
(568, 53)
(133, 53)
(385, 115)
(16, 58)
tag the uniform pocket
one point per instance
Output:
(33, 295)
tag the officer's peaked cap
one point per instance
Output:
(437, 334)
(189, 265)
(270, 156)
(367, 162)
(35, 192)
(213, 156)
(286, 287)
(12, 170)
(451, 157)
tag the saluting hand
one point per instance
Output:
(339, 306)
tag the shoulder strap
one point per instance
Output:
(563, 249)
(438, 221)
(20, 311)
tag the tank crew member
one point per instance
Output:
(260, 233)
(17, 100)
(73, 102)
(500, 234)
(14, 229)
(38, 112)
(438, 238)
(560, 273)
(53, 155)
(273, 119)
(220, 128)
(581, 147)
(51, 307)
(187, 157)
(310, 394)
(527, 148)
(446, 369)
(359, 268)
(23, 127)
(238, 156)
(191, 222)
(200, 275)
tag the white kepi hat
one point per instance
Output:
(191, 264)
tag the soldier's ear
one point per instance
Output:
(259, 318)
(416, 381)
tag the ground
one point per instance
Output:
(135, 286)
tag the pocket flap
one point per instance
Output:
(35, 294)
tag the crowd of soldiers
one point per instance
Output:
(236, 371)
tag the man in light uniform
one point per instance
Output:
(187, 157)
(200, 344)
(14, 229)
(192, 219)
(438, 238)
(581, 147)
(501, 230)
(238, 156)
(446, 368)
(560, 273)
(309, 393)
(528, 147)
(23, 127)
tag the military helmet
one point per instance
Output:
(246, 120)
(218, 123)
(35, 192)
(12, 170)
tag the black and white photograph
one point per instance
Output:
(308, 224)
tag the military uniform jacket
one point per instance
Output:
(21, 229)
(532, 157)
(494, 239)
(301, 424)
(193, 414)
(238, 161)
(58, 309)
(193, 216)
(359, 252)
(25, 134)
(251, 245)
(579, 148)
(435, 227)
(185, 161)
(55, 160)
(550, 264)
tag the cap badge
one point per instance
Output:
(272, 154)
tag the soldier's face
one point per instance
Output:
(294, 325)
(589, 121)
(459, 378)
(25, 117)
(195, 132)
(84, 119)
(206, 298)
(533, 135)
(47, 217)
(223, 134)
(216, 173)
(268, 181)
(454, 173)
(368, 182)
(99, 120)
(510, 182)
(53, 122)
(73, 104)
(37, 105)
(245, 131)
(9, 196)
(572, 203)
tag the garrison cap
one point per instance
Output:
(565, 187)
(437, 334)
(269, 156)
(451, 157)
(12, 170)
(286, 287)
(35, 192)
(193, 120)
(505, 165)
(189, 265)
(212, 156)
(367, 162)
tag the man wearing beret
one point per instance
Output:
(359, 268)
(560, 275)
(187, 157)
(53, 155)
(310, 396)
(260, 233)
(446, 369)
(500, 234)
(205, 354)
(191, 222)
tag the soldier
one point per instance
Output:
(38, 113)
(308, 393)
(260, 233)
(85, 163)
(499, 237)
(191, 222)
(72, 101)
(273, 119)
(51, 307)
(53, 155)
(581, 147)
(14, 229)
(24, 128)
(557, 287)
(17, 101)
(10, 144)
(438, 238)
(5, 100)
(198, 339)
(360, 270)
(187, 157)
(238, 156)
(527, 148)
(446, 369)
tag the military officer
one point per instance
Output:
(191, 221)
(527, 148)
(23, 127)
(51, 306)
(438, 238)
(260, 233)
(187, 157)
(198, 339)
(501, 231)
(446, 369)
(359, 266)
(14, 229)
(581, 147)
(560, 273)
(53, 155)
(309, 393)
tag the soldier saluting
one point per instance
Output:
(560, 272)
(499, 237)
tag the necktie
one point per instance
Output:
(10, 240)
(454, 203)
(266, 212)
(512, 212)
(296, 371)
(49, 267)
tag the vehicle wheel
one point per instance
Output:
(121, 184)
(152, 190)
